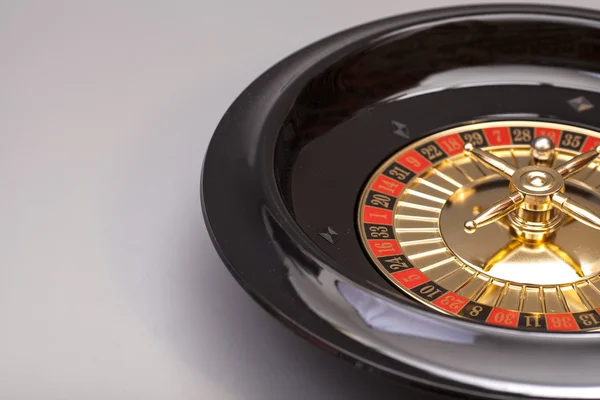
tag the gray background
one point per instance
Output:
(109, 285)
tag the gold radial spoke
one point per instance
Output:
(576, 210)
(496, 211)
(578, 163)
(498, 165)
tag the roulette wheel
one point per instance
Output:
(420, 196)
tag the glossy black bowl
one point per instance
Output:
(287, 162)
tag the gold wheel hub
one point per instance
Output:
(536, 219)
(537, 181)
(536, 200)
